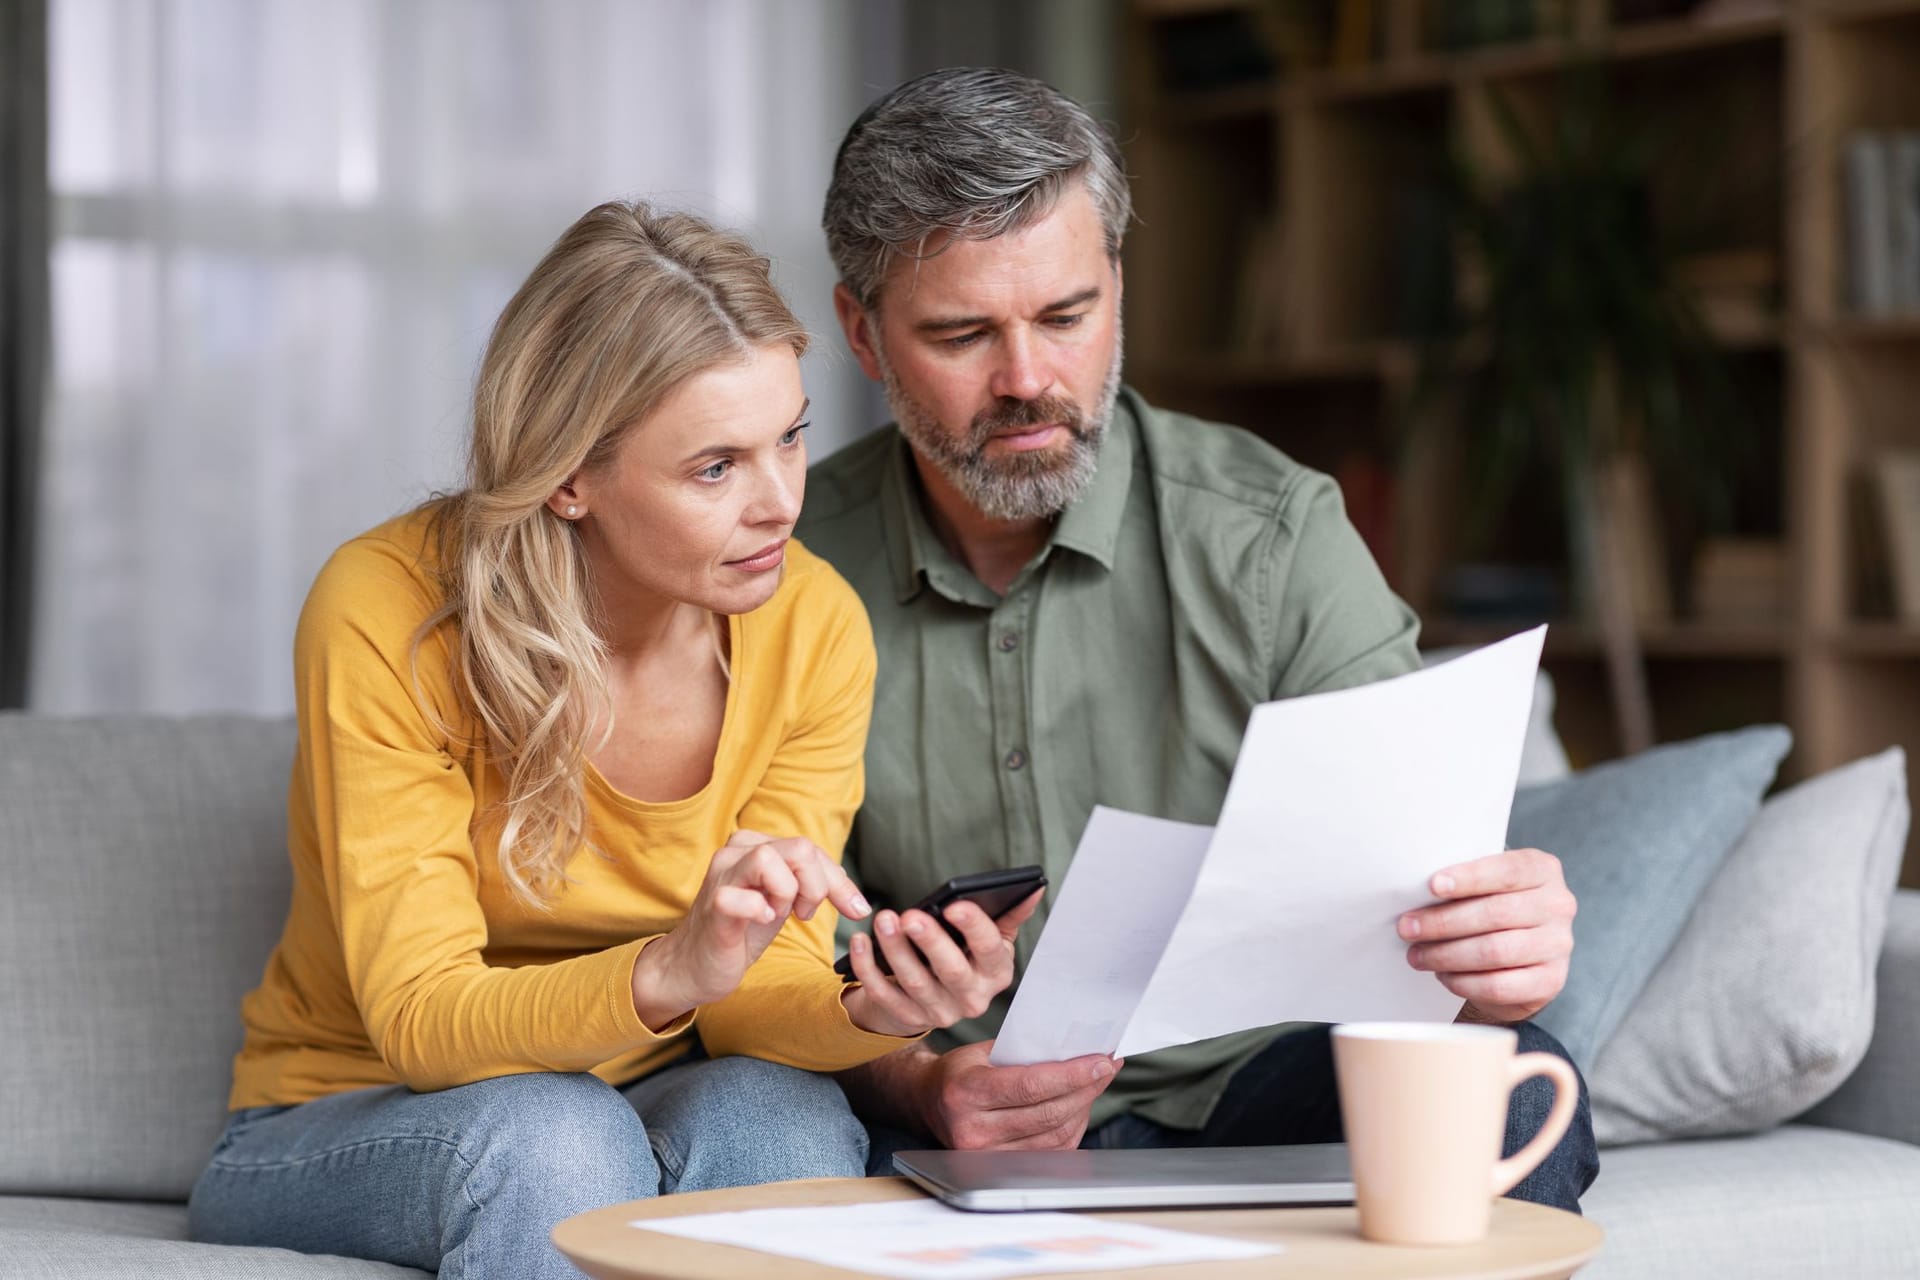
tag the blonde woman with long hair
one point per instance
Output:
(579, 748)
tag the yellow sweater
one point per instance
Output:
(405, 959)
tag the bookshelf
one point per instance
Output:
(1269, 285)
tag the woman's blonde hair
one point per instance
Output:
(626, 305)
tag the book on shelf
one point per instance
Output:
(1627, 13)
(1214, 50)
(1883, 223)
(1715, 13)
(1478, 23)
(1740, 581)
(1367, 489)
(1401, 31)
(1871, 592)
(1257, 325)
(1735, 291)
(1634, 541)
(1202, 48)
(1904, 216)
(1352, 34)
(1425, 263)
(1896, 483)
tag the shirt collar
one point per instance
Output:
(911, 541)
(1091, 526)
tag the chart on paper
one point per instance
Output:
(925, 1240)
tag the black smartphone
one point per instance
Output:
(994, 892)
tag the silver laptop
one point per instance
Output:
(1000, 1181)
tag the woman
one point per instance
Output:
(517, 981)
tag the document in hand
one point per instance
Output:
(1340, 808)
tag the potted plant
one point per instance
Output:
(1572, 349)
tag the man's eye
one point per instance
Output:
(718, 471)
(793, 433)
(963, 340)
(1066, 322)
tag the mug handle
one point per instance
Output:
(1566, 1095)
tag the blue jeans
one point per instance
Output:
(1287, 1094)
(469, 1181)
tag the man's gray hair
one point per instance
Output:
(972, 152)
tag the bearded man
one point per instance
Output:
(1078, 599)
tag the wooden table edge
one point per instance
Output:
(601, 1242)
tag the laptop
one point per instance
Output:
(1003, 1181)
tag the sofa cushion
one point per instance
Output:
(1766, 1002)
(40, 1254)
(1881, 1096)
(1638, 840)
(153, 1219)
(146, 880)
(1785, 1205)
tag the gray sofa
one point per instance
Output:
(145, 882)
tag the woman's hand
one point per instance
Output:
(752, 886)
(948, 984)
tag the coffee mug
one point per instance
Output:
(1425, 1109)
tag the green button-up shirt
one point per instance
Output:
(1202, 573)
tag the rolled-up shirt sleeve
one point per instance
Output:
(1331, 620)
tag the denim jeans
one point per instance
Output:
(469, 1181)
(1287, 1094)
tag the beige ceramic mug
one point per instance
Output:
(1425, 1108)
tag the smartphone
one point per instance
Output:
(994, 892)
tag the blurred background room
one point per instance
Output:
(254, 248)
(1603, 312)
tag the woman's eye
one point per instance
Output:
(793, 433)
(718, 471)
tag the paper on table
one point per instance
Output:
(925, 1240)
(1340, 807)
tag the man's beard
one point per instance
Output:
(1026, 485)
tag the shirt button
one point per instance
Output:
(1009, 641)
(1016, 759)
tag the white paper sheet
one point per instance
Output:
(1340, 807)
(925, 1240)
(1120, 901)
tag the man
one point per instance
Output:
(1078, 599)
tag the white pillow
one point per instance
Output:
(1765, 1004)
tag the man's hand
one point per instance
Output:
(970, 1105)
(1500, 937)
(966, 1104)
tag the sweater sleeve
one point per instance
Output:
(788, 1009)
(393, 807)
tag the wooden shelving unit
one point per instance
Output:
(1328, 154)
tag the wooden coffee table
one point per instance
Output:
(1527, 1240)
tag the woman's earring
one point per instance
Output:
(572, 511)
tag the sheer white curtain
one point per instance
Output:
(282, 231)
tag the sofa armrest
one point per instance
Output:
(1881, 1097)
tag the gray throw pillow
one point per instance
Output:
(1765, 1004)
(1638, 839)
